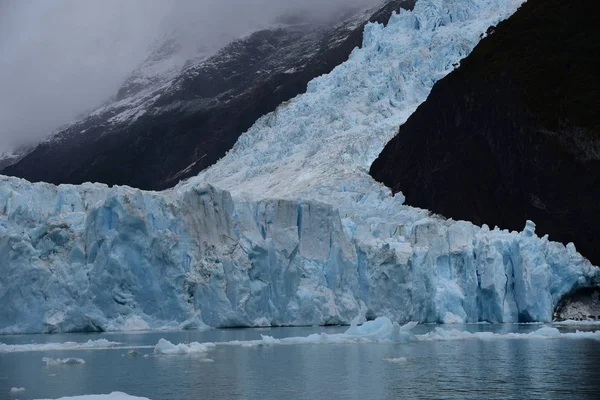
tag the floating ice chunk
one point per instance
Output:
(17, 390)
(111, 396)
(546, 332)
(381, 328)
(50, 362)
(132, 354)
(399, 360)
(165, 347)
(90, 344)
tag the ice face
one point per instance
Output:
(181, 260)
(288, 228)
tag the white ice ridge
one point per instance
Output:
(574, 322)
(383, 330)
(111, 396)
(89, 345)
(288, 228)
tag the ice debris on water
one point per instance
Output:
(399, 360)
(383, 330)
(90, 344)
(62, 361)
(17, 390)
(545, 332)
(165, 347)
(132, 354)
(111, 396)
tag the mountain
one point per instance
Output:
(288, 228)
(173, 118)
(12, 157)
(513, 133)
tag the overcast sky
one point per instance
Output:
(61, 58)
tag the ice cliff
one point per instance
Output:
(288, 228)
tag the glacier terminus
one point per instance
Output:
(288, 228)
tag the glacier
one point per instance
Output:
(288, 228)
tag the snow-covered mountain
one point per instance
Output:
(178, 113)
(288, 228)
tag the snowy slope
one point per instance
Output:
(288, 228)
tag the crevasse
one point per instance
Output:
(288, 228)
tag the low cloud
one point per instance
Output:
(62, 58)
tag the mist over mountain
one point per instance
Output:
(61, 59)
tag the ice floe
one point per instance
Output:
(62, 361)
(111, 396)
(90, 344)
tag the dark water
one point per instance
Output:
(464, 369)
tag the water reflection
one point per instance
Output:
(469, 369)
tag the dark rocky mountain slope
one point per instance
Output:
(514, 132)
(161, 130)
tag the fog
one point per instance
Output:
(62, 58)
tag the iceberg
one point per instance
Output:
(288, 228)
(165, 347)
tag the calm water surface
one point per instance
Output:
(467, 369)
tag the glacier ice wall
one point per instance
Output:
(288, 228)
(135, 260)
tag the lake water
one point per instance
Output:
(558, 368)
